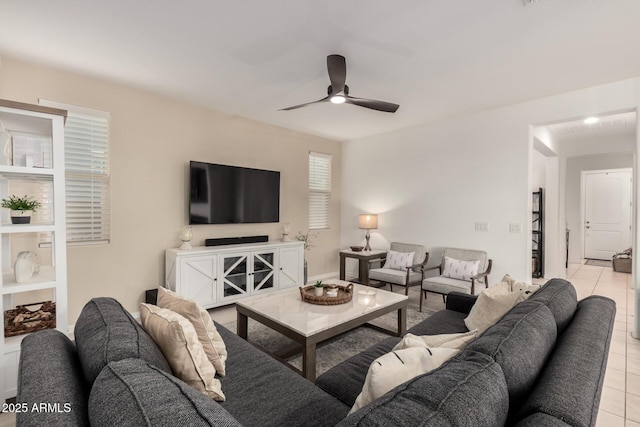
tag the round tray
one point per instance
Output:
(345, 293)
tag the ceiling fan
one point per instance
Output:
(338, 91)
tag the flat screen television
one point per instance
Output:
(221, 194)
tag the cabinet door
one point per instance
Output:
(10, 363)
(234, 275)
(263, 272)
(198, 279)
(290, 267)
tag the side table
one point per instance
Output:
(363, 258)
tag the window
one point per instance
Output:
(86, 150)
(319, 190)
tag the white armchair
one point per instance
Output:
(409, 271)
(461, 270)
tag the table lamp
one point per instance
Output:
(368, 222)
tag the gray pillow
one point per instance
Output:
(105, 332)
(131, 392)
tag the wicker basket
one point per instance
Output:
(22, 320)
(345, 293)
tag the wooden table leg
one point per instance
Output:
(309, 361)
(342, 267)
(243, 323)
(402, 321)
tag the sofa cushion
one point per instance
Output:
(441, 322)
(346, 379)
(178, 340)
(105, 332)
(263, 392)
(560, 296)
(540, 419)
(569, 388)
(130, 392)
(392, 369)
(208, 336)
(520, 343)
(443, 397)
(61, 383)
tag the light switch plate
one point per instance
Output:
(482, 226)
(515, 227)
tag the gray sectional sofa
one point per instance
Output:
(542, 364)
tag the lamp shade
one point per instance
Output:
(368, 221)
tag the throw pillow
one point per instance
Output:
(208, 335)
(399, 260)
(178, 340)
(491, 305)
(461, 270)
(392, 369)
(527, 289)
(455, 341)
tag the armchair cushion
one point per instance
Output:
(396, 277)
(444, 285)
(399, 260)
(458, 269)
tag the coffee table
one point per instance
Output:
(309, 324)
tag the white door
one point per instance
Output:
(607, 225)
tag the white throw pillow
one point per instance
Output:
(208, 335)
(178, 341)
(392, 369)
(399, 260)
(455, 341)
(491, 305)
(461, 270)
(526, 288)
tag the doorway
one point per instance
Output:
(606, 210)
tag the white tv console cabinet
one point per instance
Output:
(219, 275)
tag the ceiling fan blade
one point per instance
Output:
(386, 107)
(304, 105)
(337, 68)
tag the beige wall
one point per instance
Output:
(152, 140)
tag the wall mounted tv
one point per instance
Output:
(221, 194)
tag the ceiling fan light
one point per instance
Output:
(591, 120)
(337, 99)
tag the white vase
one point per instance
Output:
(318, 291)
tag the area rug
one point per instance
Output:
(598, 263)
(337, 349)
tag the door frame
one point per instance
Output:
(583, 193)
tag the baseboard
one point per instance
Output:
(333, 275)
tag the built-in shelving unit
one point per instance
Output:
(32, 164)
(537, 234)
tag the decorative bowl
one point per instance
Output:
(357, 248)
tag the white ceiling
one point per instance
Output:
(436, 58)
(611, 124)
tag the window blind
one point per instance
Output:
(319, 190)
(88, 198)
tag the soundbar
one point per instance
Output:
(236, 240)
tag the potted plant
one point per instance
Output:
(21, 208)
(319, 288)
